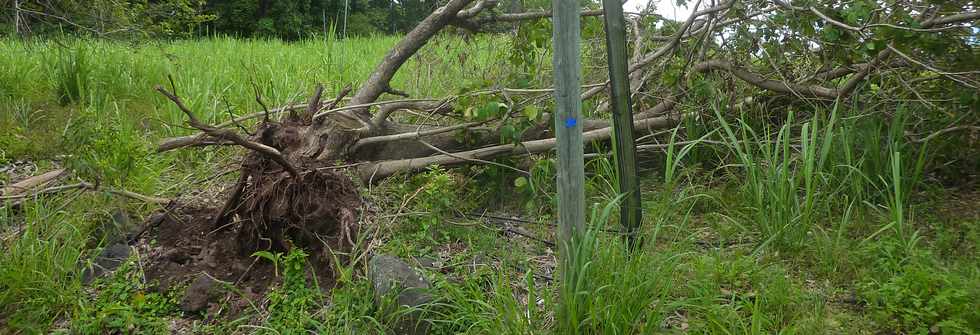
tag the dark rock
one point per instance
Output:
(108, 260)
(198, 294)
(392, 276)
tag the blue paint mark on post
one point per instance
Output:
(570, 122)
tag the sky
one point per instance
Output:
(667, 8)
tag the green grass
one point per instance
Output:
(825, 222)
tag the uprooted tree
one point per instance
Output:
(777, 55)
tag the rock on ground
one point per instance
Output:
(390, 275)
(111, 258)
(198, 294)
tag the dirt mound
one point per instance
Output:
(317, 212)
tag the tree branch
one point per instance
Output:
(759, 81)
(379, 80)
(229, 135)
(378, 170)
(512, 17)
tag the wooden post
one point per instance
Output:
(568, 122)
(624, 149)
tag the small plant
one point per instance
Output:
(110, 152)
(275, 258)
(291, 305)
(124, 305)
(916, 296)
(432, 193)
(675, 158)
(607, 290)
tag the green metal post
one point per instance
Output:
(623, 147)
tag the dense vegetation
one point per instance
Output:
(771, 207)
(290, 19)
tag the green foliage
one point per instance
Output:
(913, 295)
(297, 19)
(39, 267)
(111, 153)
(529, 54)
(124, 304)
(539, 188)
(431, 193)
(779, 185)
(606, 290)
(736, 294)
(291, 305)
(274, 258)
(108, 18)
(351, 307)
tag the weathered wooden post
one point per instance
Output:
(568, 126)
(624, 150)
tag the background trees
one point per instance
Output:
(285, 19)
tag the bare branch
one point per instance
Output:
(89, 187)
(944, 131)
(31, 183)
(314, 104)
(663, 50)
(512, 17)
(379, 170)
(412, 135)
(759, 81)
(226, 134)
(478, 7)
(956, 18)
(434, 106)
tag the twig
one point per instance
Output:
(944, 131)
(412, 135)
(91, 187)
(31, 183)
(430, 146)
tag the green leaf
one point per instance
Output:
(490, 109)
(520, 182)
(532, 113)
(831, 34)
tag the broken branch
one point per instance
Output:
(226, 134)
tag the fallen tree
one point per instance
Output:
(288, 173)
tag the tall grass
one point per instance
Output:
(792, 182)
(39, 264)
(779, 183)
(607, 290)
(214, 71)
(71, 73)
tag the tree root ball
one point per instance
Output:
(316, 210)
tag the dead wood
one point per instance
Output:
(31, 183)
(379, 170)
(87, 187)
(812, 91)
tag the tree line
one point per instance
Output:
(285, 19)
